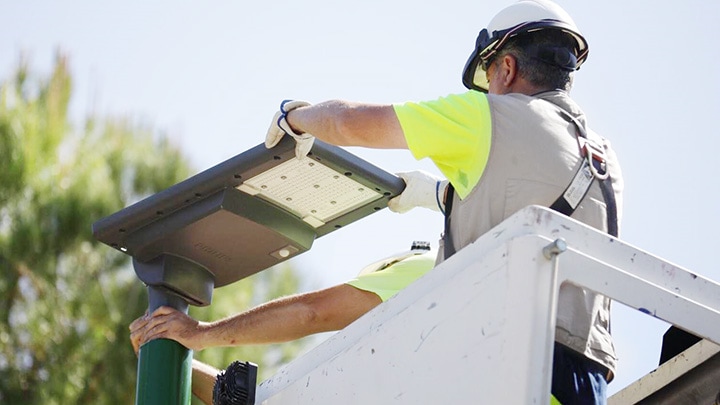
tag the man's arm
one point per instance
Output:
(277, 321)
(345, 123)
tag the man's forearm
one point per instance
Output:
(278, 321)
(291, 318)
(350, 124)
(274, 322)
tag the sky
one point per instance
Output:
(212, 74)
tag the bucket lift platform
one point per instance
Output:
(480, 327)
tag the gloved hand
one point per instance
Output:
(422, 189)
(280, 127)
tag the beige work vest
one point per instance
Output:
(533, 157)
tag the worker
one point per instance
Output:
(287, 318)
(514, 138)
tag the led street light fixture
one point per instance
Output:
(245, 215)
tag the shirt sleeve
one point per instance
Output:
(454, 132)
(390, 280)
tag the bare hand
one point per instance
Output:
(167, 323)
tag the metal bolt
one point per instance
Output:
(555, 248)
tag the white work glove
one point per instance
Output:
(280, 127)
(422, 189)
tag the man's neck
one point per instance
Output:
(522, 86)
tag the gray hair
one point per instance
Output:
(534, 70)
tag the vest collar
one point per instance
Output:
(561, 99)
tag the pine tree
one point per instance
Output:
(66, 299)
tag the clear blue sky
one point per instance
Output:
(211, 74)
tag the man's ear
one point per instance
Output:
(508, 70)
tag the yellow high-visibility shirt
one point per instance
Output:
(388, 281)
(454, 131)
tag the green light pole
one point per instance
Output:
(164, 366)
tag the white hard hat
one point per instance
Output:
(521, 17)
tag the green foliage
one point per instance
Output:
(66, 300)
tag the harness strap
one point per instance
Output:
(594, 166)
(448, 245)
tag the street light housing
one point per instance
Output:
(244, 215)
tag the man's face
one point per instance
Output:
(493, 81)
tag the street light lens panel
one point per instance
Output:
(310, 190)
